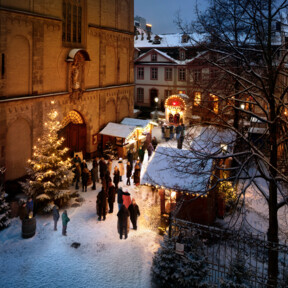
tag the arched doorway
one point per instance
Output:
(153, 95)
(74, 132)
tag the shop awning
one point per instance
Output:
(117, 130)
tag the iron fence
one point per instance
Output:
(221, 248)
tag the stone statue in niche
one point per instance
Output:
(75, 77)
(76, 81)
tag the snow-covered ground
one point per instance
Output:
(102, 260)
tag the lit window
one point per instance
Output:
(197, 99)
(214, 100)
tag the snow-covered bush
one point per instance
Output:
(238, 275)
(4, 210)
(170, 269)
(49, 169)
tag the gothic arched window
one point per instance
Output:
(73, 19)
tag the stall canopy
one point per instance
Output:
(135, 122)
(117, 130)
(179, 170)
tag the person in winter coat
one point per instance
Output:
(167, 133)
(23, 213)
(126, 199)
(85, 178)
(109, 166)
(178, 131)
(77, 175)
(94, 176)
(121, 168)
(130, 158)
(141, 153)
(134, 213)
(83, 165)
(76, 159)
(103, 167)
(111, 196)
(101, 205)
(154, 143)
(56, 216)
(128, 173)
(136, 174)
(65, 220)
(29, 206)
(107, 180)
(116, 177)
(119, 197)
(123, 215)
(150, 150)
(96, 165)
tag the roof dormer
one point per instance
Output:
(185, 38)
(157, 39)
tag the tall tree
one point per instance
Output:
(247, 41)
(49, 169)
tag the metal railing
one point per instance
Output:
(221, 248)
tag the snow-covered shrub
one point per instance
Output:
(170, 269)
(4, 210)
(238, 275)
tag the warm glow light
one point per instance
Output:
(242, 106)
(224, 147)
(173, 195)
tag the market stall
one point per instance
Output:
(176, 108)
(120, 136)
(185, 178)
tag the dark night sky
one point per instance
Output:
(162, 13)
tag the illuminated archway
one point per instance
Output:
(175, 108)
(74, 132)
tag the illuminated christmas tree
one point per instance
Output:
(49, 170)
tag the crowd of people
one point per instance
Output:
(169, 132)
(110, 181)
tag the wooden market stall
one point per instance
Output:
(120, 136)
(184, 179)
(129, 134)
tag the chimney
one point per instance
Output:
(148, 30)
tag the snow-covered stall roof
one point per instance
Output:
(211, 140)
(117, 130)
(178, 170)
(135, 122)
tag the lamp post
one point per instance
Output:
(156, 99)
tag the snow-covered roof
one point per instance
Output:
(135, 122)
(177, 169)
(167, 40)
(210, 140)
(117, 130)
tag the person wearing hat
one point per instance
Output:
(121, 168)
